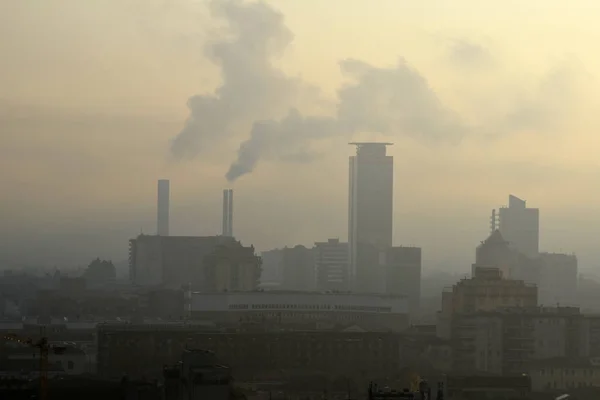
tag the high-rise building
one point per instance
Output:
(331, 262)
(520, 226)
(370, 212)
(403, 275)
(228, 212)
(162, 217)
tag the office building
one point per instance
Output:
(370, 214)
(403, 275)
(162, 214)
(331, 262)
(520, 226)
(228, 212)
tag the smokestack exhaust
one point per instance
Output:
(228, 212)
(162, 215)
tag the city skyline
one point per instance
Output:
(86, 153)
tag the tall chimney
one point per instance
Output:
(162, 214)
(228, 212)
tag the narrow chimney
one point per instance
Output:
(162, 217)
(228, 212)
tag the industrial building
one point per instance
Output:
(304, 308)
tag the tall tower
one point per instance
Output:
(162, 214)
(228, 212)
(371, 192)
(520, 226)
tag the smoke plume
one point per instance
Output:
(251, 87)
(390, 101)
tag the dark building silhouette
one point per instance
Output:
(370, 213)
(298, 266)
(403, 277)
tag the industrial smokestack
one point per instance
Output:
(162, 214)
(228, 212)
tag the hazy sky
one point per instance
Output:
(481, 99)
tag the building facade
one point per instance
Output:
(377, 312)
(370, 219)
(558, 279)
(298, 268)
(231, 267)
(331, 263)
(403, 275)
(172, 261)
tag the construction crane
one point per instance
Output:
(44, 350)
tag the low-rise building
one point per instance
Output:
(381, 312)
(564, 373)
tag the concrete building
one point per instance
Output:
(331, 262)
(564, 374)
(370, 214)
(487, 290)
(520, 226)
(298, 268)
(162, 214)
(228, 212)
(558, 279)
(258, 356)
(171, 261)
(403, 277)
(326, 310)
(231, 267)
(271, 275)
(505, 341)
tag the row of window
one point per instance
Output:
(323, 307)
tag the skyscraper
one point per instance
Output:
(162, 214)
(520, 226)
(370, 214)
(228, 212)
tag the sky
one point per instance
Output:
(100, 98)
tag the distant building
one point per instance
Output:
(558, 280)
(231, 267)
(172, 261)
(403, 267)
(272, 268)
(505, 341)
(331, 262)
(370, 213)
(298, 267)
(520, 226)
(376, 312)
(496, 252)
(487, 290)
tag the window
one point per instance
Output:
(70, 365)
